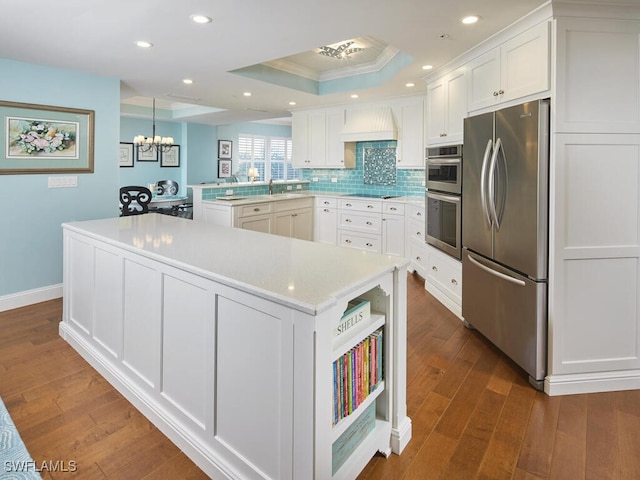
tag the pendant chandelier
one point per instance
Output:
(154, 142)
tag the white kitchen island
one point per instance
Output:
(225, 339)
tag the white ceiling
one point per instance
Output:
(97, 36)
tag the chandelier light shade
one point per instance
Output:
(154, 142)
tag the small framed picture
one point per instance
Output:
(171, 158)
(224, 148)
(126, 154)
(144, 155)
(224, 168)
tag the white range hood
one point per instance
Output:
(369, 124)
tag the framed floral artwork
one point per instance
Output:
(45, 139)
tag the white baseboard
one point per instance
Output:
(592, 382)
(29, 297)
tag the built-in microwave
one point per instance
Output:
(443, 170)
(443, 223)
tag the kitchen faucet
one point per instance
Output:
(271, 186)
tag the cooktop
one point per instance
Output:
(371, 195)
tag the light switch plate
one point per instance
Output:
(62, 182)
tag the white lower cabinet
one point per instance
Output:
(415, 245)
(444, 279)
(393, 242)
(326, 220)
(360, 224)
(285, 217)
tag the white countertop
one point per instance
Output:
(303, 275)
(245, 199)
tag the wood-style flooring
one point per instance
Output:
(474, 414)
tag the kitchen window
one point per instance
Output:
(270, 155)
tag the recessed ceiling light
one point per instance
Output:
(247, 94)
(292, 103)
(471, 19)
(202, 19)
(144, 44)
(410, 84)
(427, 67)
(354, 95)
(187, 81)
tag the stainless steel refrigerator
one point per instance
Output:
(505, 231)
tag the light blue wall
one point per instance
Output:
(31, 240)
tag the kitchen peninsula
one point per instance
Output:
(225, 339)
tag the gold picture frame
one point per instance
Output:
(45, 139)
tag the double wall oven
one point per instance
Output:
(443, 200)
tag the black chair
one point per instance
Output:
(134, 200)
(167, 187)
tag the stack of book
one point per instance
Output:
(356, 374)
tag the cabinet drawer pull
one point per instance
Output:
(348, 205)
(500, 92)
(369, 206)
(443, 134)
(454, 281)
(434, 268)
(326, 210)
(495, 93)
(418, 234)
(419, 258)
(256, 209)
(326, 203)
(348, 220)
(347, 241)
(369, 223)
(418, 214)
(393, 208)
(369, 244)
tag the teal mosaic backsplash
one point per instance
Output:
(408, 182)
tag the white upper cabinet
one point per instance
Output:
(597, 72)
(517, 68)
(409, 116)
(446, 108)
(316, 140)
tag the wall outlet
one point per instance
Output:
(229, 192)
(334, 180)
(289, 187)
(298, 187)
(314, 179)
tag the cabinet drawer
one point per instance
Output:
(326, 202)
(360, 222)
(419, 258)
(296, 203)
(416, 212)
(393, 208)
(415, 231)
(254, 209)
(447, 276)
(371, 243)
(360, 204)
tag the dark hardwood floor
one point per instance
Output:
(474, 414)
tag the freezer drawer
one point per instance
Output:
(509, 310)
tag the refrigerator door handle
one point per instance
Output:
(497, 274)
(483, 182)
(492, 174)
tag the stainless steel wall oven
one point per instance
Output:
(443, 200)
